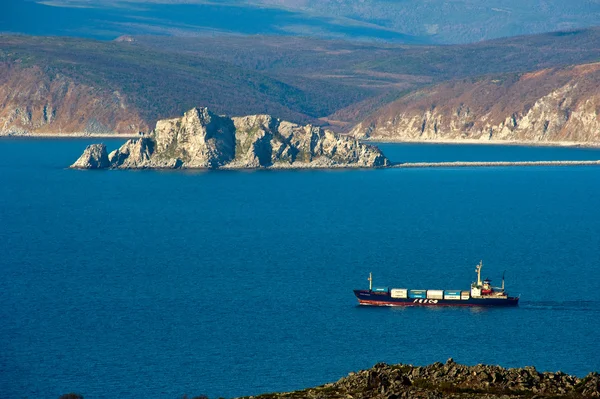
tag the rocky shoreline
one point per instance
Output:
(450, 380)
(522, 143)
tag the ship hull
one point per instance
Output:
(370, 298)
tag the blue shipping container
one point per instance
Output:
(452, 292)
(417, 294)
(380, 289)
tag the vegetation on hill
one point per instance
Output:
(549, 105)
(298, 79)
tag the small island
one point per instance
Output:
(203, 140)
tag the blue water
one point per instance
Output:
(158, 284)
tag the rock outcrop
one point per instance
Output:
(201, 139)
(94, 157)
(552, 105)
(451, 380)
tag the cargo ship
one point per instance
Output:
(481, 294)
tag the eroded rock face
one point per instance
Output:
(36, 101)
(263, 141)
(547, 106)
(201, 139)
(94, 157)
(134, 153)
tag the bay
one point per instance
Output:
(226, 283)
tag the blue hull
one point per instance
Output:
(366, 297)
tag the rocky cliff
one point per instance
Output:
(551, 105)
(202, 139)
(36, 101)
(451, 380)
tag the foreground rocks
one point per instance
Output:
(451, 380)
(201, 139)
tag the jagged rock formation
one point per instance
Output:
(35, 101)
(451, 380)
(201, 139)
(94, 157)
(551, 105)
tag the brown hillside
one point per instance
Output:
(38, 102)
(560, 104)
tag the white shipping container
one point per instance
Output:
(454, 297)
(435, 294)
(399, 293)
(464, 295)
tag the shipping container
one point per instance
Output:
(399, 292)
(465, 295)
(435, 294)
(451, 292)
(417, 294)
(451, 297)
(380, 289)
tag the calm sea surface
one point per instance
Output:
(158, 284)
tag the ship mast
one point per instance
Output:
(370, 281)
(478, 270)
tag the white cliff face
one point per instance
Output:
(542, 107)
(201, 139)
(263, 141)
(94, 157)
(134, 153)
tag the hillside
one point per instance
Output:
(125, 86)
(151, 83)
(456, 21)
(35, 101)
(549, 105)
(407, 21)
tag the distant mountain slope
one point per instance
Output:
(34, 101)
(550, 105)
(155, 84)
(108, 19)
(458, 21)
(303, 80)
(406, 21)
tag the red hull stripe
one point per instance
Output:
(384, 303)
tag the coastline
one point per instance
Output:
(479, 164)
(449, 380)
(520, 143)
(76, 135)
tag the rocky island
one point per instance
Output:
(202, 139)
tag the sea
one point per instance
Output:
(160, 284)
